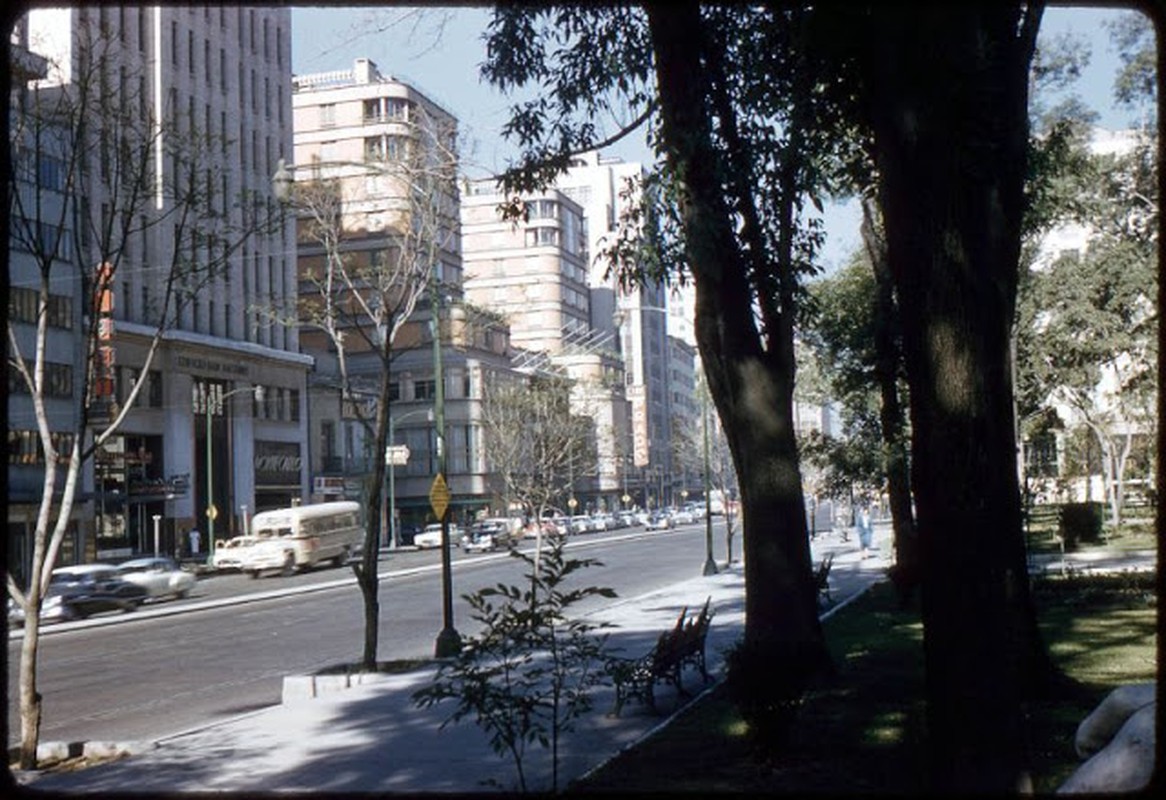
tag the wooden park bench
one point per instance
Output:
(677, 648)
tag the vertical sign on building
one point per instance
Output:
(103, 386)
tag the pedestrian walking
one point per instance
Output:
(864, 529)
(195, 541)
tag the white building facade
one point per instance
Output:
(604, 187)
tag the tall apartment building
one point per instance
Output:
(638, 319)
(535, 274)
(200, 254)
(379, 142)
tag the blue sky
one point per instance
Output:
(444, 65)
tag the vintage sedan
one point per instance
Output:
(80, 591)
(660, 521)
(431, 536)
(229, 554)
(159, 576)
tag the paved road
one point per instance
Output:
(225, 650)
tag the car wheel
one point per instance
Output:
(289, 564)
(252, 573)
(182, 594)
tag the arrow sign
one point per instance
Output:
(397, 455)
(439, 496)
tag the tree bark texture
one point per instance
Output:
(948, 100)
(751, 386)
(907, 571)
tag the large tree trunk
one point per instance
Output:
(751, 386)
(907, 570)
(949, 104)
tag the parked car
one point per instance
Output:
(431, 536)
(80, 591)
(659, 521)
(627, 519)
(228, 555)
(560, 526)
(159, 576)
(682, 516)
(579, 524)
(603, 522)
(488, 534)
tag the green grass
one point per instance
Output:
(864, 730)
(1136, 533)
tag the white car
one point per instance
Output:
(160, 577)
(229, 554)
(431, 536)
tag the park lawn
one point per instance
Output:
(864, 730)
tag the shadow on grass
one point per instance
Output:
(864, 731)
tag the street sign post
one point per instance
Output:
(439, 496)
(397, 455)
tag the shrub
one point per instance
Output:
(1080, 523)
(527, 676)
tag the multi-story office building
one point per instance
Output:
(388, 153)
(189, 253)
(535, 274)
(604, 187)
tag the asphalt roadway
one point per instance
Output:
(372, 737)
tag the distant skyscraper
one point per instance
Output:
(535, 273)
(604, 188)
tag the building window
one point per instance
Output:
(394, 392)
(50, 173)
(543, 209)
(327, 439)
(294, 404)
(542, 237)
(24, 447)
(153, 389)
(424, 390)
(327, 115)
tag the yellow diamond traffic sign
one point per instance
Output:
(439, 496)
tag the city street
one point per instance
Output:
(225, 650)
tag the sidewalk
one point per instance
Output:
(371, 737)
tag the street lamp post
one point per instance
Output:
(449, 642)
(213, 401)
(710, 566)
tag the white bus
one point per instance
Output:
(297, 538)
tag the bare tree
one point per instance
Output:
(96, 169)
(359, 296)
(537, 445)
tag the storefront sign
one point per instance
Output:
(277, 464)
(207, 365)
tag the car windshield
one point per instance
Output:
(141, 566)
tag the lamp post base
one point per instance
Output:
(448, 645)
(710, 566)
